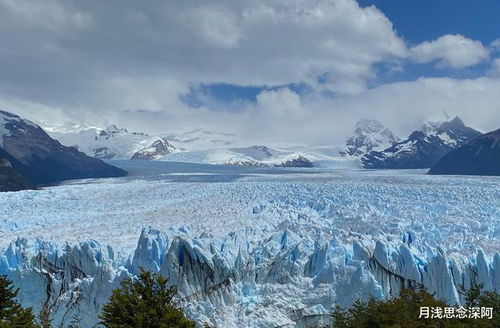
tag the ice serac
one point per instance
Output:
(237, 281)
(368, 135)
(43, 160)
(481, 156)
(423, 148)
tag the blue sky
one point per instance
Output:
(423, 20)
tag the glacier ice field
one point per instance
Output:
(251, 247)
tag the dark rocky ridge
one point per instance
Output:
(10, 179)
(480, 156)
(43, 160)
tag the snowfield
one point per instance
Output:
(251, 247)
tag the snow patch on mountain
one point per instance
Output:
(7, 119)
(243, 156)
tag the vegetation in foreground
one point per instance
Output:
(144, 303)
(12, 314)
(405, 311)
(147, 302)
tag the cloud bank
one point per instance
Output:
(130, 62)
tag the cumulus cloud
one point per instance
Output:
(495, 45)
(495, 68)
(217, 26)
(455, 51)
(281, 102)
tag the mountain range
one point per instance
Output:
(113, 142)
(29, 154)
(196, 146)
(423, 148)
(30, 157)
(244, 156)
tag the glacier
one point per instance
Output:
(251, 247)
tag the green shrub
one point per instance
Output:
(12, 314)
(144, 303)
(404, 311)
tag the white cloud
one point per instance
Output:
(454, 51)
(495, 45)
(282, 102)
(217, 26)
(55, 16)
(495, 68)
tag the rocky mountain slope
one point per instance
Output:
(480, 156)
(368, 135)
(43, 160)
(423, 148)
(10, 179)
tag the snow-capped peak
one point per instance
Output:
(368, 135)
(9, 121)
(423, 147)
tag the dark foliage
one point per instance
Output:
(12, 314)
(144, 303)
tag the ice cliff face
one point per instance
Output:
(282, 280)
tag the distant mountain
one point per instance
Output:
(369, 135)
(10, 179)
(42, 160)
(480, 156)
(116, 143)
(243, 156)
(423, 148)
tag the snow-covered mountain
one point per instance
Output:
(480, 156)
(423, 148)
(42, 160)
(368, 135)
(243, 156)
(115, 143)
